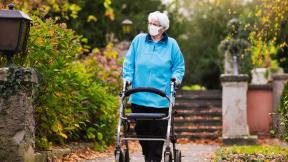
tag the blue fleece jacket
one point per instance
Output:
(152, 64)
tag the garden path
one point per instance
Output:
(191, 153)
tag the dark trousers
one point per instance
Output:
(147, 128)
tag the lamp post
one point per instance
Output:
(127, 28)
(17, 125)
(124, 44)
(14, 31)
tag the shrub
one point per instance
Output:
(251, 153)
(106, 66)
(283, 111)
(72, 103)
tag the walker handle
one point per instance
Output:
(145, 89)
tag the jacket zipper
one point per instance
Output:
(151, 59)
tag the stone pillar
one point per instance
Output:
(234, 110)
(278, 83)
(16, 114)
(228, 63)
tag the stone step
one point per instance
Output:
(199, 129)
(205, 122)
(181, 101)
(203, 100)
(208, 94)
(200, 110)
(197, 135)
(206, 109)
(197, 117)
(198, 106)
(188, 106)
(201, 113)
(186, 101)
(209, 130)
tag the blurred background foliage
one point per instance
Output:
(72, 44)
(99, 22)
(199, 34)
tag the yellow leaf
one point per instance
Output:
(91, 18)
(59, 126)
(110, 13)
(95, 50)
(58, 94)
(39, 41)
(51, 32)
(63, 135)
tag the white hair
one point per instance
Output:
(161, 17)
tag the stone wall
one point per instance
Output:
(16, 120)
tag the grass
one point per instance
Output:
(256, 153)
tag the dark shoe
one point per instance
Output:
(155, 161)
(147, 159)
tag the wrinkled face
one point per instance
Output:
(155, 28)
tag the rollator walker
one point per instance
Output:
(170, 154)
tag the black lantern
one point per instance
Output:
(14, 31)
(127, 26)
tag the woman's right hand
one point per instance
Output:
(128, 82)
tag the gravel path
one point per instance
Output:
(190, 153)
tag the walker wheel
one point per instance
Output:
(167, 156)
(126, 155)
(177, 156)
(119, 156)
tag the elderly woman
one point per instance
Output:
(152, 60)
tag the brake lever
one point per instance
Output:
(125, 87)
(127, 84)
(176, 86)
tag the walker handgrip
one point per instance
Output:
(145, 89)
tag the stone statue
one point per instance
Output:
(233, 48)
